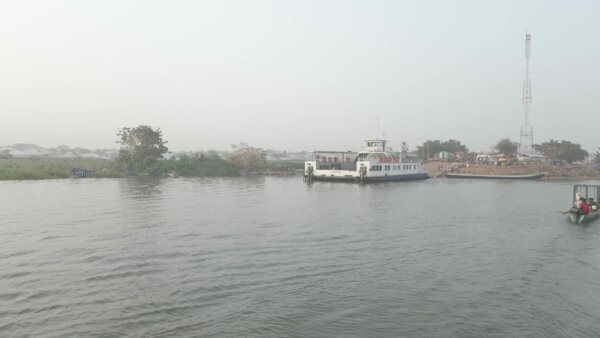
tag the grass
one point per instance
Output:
(285, 164)
(200, 166)
(48, 168)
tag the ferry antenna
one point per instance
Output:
(380, 134)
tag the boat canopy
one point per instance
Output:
(589, 192)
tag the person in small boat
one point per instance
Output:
(581, 208)
(585, 207)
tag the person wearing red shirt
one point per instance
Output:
(581, 208)
(585, 207)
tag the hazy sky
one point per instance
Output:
(297, 75)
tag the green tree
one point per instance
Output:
(430, 148)
(141, 148)
(453, 146)
(248, 157)
(564, 150)
(597, 156)
(507, 147)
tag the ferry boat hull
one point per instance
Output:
(353, 179)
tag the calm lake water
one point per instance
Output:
(274, 257)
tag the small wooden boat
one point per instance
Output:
(590, 193)
(498, 177)
(579, 219)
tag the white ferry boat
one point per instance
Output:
(375, 163)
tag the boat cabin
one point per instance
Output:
(334, 160)
(376, 151)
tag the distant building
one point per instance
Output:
(445, 156)
(484, 158)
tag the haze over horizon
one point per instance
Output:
(296, 75)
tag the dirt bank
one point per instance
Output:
(566, 171)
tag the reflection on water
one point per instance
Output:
(141, 187)
(271, 256)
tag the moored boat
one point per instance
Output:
(375, 163)
(586, 194)
(532, 176)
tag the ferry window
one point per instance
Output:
(414, 166)
(387, 168)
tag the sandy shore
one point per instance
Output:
(566, 171)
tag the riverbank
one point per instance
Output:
(565, 171)
(208, 166)
(52, 168)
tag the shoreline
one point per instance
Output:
(566, 172)
(34, 170)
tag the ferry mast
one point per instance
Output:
(526, 142)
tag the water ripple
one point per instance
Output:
(272, 257)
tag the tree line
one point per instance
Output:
(559, 150)
(142, 149)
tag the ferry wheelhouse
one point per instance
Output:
(374, 163)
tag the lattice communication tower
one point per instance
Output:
(526, 143)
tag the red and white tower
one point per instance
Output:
(526, 143)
